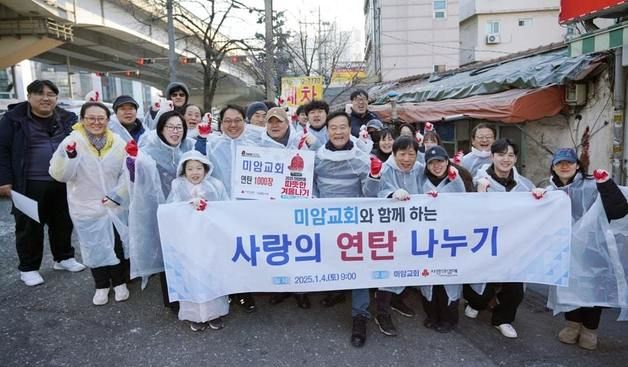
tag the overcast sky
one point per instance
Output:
(349, 14)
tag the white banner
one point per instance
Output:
(326, 244)
(270, 173)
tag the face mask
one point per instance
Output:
(481, 153)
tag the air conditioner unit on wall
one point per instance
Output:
(493, 38)
(576, 94)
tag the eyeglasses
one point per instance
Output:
(360, 100)
(93, 119)
(47, 95)
(177, 94)
(484, 137)
(232, 122)
(174, 128)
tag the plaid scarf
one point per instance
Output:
(97, 141)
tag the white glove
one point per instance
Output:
(109, 203)
(538, 193)
(93, 96)
(401, 195)
(364, 134)
(483, 184)
(199, 204)
(419, 138)
(310, 140)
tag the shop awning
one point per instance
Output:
(511, 106)
(602, 40)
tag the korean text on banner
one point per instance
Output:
(270, 173)
(325, 244)
(301, 90)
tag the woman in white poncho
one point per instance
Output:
(90, 160)
(151, 175)
(596, 265)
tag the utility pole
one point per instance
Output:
(270, 65)
(172, 52)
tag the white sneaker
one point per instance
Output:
(121, 292)
(471, 312)
(31, 278)
(507, 330)
(101, 297)
(68, 264)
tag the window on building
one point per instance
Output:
(440, 68)
(440, 9)
(525, 22)
(127, 87)
(492, 26)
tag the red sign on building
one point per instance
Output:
(577, 10)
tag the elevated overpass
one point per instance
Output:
(109, 36)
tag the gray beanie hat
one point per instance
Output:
(254, 107)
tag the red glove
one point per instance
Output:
(452, 174)
(428, 127)
(538, 193)
(600, 175)
(432, 193)
(376, 166)
(200, 204)
(204, 129)
(70, 150)
(207, 118)
(458, 157)
(131, 148)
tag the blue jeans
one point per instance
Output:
(360, 300)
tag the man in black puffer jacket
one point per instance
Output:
(30, 132)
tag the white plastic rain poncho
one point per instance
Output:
(116, 126)
(394, 178)
(475, 159)
(209, 189)
(321, 135)
(599, 255)
(322, 138)
(90, 178)
(155, 168)
(221, 151)
(343, 174)
(294, 138)
(523, 185)
(457, 185)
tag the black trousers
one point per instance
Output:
(164, 293)
(509, 297)
(53, 211)
(112, 275)
(439, 309)
(588, 316)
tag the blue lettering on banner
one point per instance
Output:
(346, 215)
(241, 252)
(453, 242)
(277, 248)
(484, 233)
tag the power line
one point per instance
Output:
(434, 44)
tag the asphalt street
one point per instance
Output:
(55, 324)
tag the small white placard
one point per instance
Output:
(26, 205)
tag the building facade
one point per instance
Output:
(494, 28)
(409, 37)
